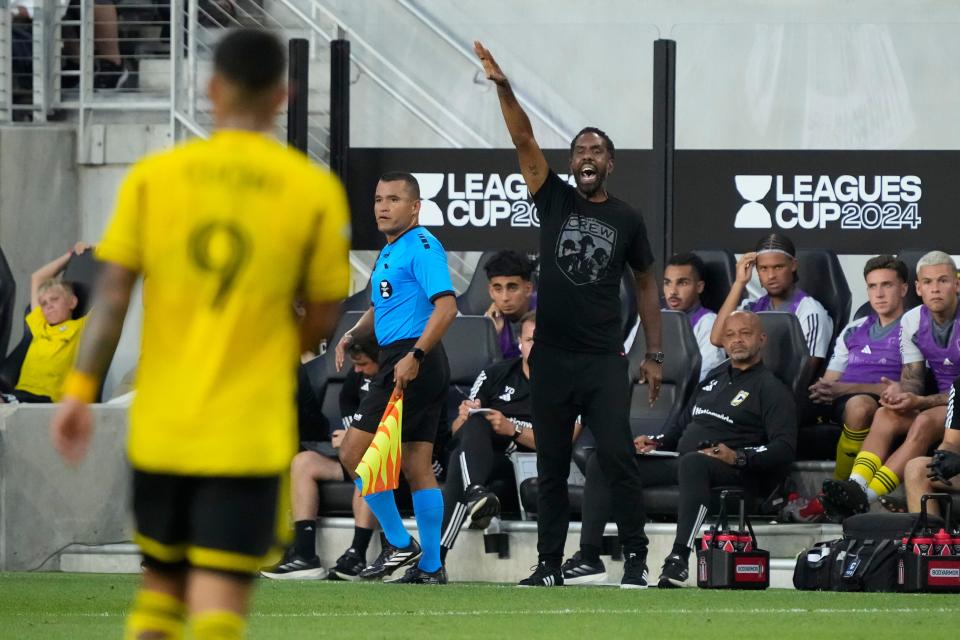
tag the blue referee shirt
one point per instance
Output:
(410, 273)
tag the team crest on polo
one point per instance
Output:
(739, 398)
(386, 289)
(584, 248)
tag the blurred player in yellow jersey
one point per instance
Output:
(228, 232)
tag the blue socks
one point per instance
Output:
(384, 507)
(428, 508)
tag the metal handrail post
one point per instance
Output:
(192, 32)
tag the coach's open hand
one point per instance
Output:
(406, 370)
(341, 350)
(490, 66)
(71, 429)
(651, 373)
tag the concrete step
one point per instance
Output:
(468, 562)
(107, 558)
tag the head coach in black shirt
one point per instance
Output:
(739, 427)
(587, 240)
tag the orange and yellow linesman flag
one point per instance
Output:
(379, 470)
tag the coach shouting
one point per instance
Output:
(587, 239)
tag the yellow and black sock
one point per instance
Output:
(217, 625)
(884, 481)
(847, 449)
(865, 466)
(155, 615)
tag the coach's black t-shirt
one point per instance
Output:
(584, 249)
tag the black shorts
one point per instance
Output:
(220, 523)
(424, 399)
(840, 405)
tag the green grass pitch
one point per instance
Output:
(79, 606)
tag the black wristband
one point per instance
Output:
(418, 354)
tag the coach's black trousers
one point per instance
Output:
(563, 385)
(696, 474)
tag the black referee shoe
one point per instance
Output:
(543, 575)
(416, 575)
(391, 559)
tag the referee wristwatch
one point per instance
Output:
(418, 354)
(655, 356)
(517, 431)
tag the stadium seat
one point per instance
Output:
(475, 300)
(822, 277)
(628, 302)
(82, 271)
(471, 344)
(681, 370)
(360, 301)
(785, 353)
(911, 257)
(721, 272)
(324, 374)
(8, 290)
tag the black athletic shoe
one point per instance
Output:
(543, 576)
(482, 505)
(391, 559)
(293, 567)
(634, 572)
(674, 573)
(348, 566)
(416, 575)
(844, 498)
(576, 570)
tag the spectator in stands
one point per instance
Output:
(941, 472)
(928, 338)
(739, 429)
(56, 334)
(776, 263)
(109, 71)
(511, 295)
(492, 423)
(682, 285)
(866, 352)
(319, 462)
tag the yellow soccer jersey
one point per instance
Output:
(226, 231)
(52, 352)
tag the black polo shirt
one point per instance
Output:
(747, 409)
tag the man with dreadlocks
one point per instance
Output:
(776, 263)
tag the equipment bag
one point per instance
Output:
(730, 559)
(864, 559)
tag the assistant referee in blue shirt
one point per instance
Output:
(413, 305)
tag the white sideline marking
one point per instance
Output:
(529, 612)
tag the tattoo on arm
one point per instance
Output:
(936, 400)
(912, 377)
(102, 332)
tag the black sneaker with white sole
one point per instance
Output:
(482, 505)
(576, 570)
(391, 559)
(543, 575)
(634, 572)
(293, 567)
(674, 573)
(416, 575)
(348, 566)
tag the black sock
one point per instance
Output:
(681, 550)
(305, 538)
(361, 540)
(590, 552)
(443, 554)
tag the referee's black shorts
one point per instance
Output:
(229, 524)
(424, 398)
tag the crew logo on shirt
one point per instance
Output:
(584, 248)
(739, 398)
(386, 289)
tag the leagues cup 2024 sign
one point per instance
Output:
(853, 202)
(476, 199)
